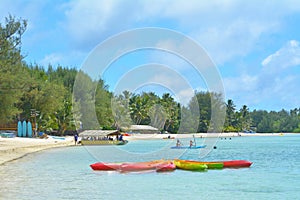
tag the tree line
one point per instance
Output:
(61, 105)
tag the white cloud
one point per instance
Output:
(274, 85)
(176, 83)
(52, 59)
(244, 83)
(231, 40)
(32, 11)
(287, 56)
(91, 22)
(227, 29)
(69, 59)
(89, 17)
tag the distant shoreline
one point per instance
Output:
(198, 135)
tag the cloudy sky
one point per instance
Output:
(253, 44)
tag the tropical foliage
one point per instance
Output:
(66, 99)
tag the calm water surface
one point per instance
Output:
(64, 173)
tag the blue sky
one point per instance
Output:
(255, 45)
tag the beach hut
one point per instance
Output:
(143, 129)
(101, 137)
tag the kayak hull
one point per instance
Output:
(180, 164)
(157, 165)
(236, 163)
(166, 167)
(210, 165)
(105, 166)
(223, 164)
(188, 147)
(141, 166)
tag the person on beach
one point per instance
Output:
(121, 138)
(75, 138)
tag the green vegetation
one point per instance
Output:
(63, 108)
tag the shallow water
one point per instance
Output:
(64, 173)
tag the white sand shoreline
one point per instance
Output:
(15, 148)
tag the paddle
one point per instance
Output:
(194, 140)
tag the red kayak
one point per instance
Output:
(158, 165)
(141, 166)
(236, 163)
(166, 167)
(105, 166)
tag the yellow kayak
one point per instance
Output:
(181, 164)
(210, 165)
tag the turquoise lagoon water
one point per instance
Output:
(64, 173)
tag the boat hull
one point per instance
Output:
(236, 163)
(157, 165)
(166, 167)
(223, 164)
(188, 147)
(103, 142)
(105, 166)
(210, 165)
(141, 166)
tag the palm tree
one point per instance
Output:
(244, 118)
(230, 120)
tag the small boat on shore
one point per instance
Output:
(181, 164)
(103, 142)
(102, 137)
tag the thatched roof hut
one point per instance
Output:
(143, 129)
(97, 133)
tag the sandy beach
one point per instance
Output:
(15, 148)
